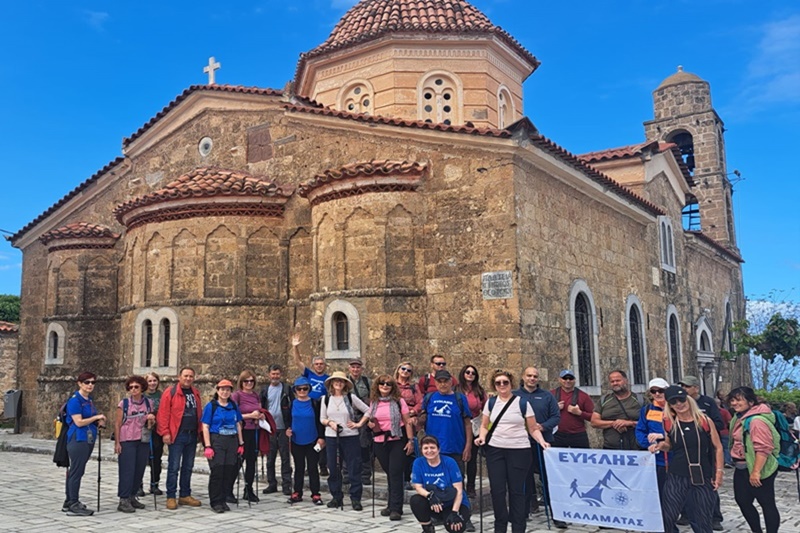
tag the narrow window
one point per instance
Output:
(666, 244)
(674, 349)
(583, 335)
(165, 332)
(705, 344)
(691, 215)
(686, 145)
(340, 326)
(147, 348)
(52, 352)
(637, 345)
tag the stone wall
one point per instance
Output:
(9, 344)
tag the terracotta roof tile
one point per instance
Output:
(69, 196)
(373, 119)
(620, 152)
(8, 327)
(194, 88)
(78, 230)
(380, 167)
(371, 19)
(206, 183)
(577, 163)
(717, 246)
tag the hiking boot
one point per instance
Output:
(560, 524)
(225, 506)
(218, 509)
(189, 500)
(716, 525)
(249, 495)
(366, 481)
(172, 504)
(125, 506)
(270, 489)
(136, 504)
(394, 515)
(287, 490)
(65, 506)
(469, 526)
(428, 528)
(78, 509)
(334, 503)
(385, 511)
(356, 505)
(230, 498)
(155, 490)
(323, 471)
(316, 499)
(295, 497)
(140, 492)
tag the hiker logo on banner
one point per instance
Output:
(614, 488)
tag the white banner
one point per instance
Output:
(613, 488)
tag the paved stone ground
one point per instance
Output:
(33, 489)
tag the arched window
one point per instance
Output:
(341, 331)
(637, 346)
(686, 145)
(155, 341)
(691, 215)
(55, 344)
(583, 332)
(705, 343)
(506, 114)
(164, 343)
(584, 337)
(147, 344)
(439, 98)
(666, 244)
(357, 97)
(674, 345)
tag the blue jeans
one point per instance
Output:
(181, 459)
(726, 452)
(351, 453)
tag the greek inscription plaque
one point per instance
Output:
(497, 285)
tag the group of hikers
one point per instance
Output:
(427, 435)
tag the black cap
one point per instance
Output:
(674, 391)
(442, 374)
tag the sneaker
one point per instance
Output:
(717, 526)
(316, 499)
(356, 505)
(65, 506)
(218, 509)
(136, 504)
(287, 490)
(250, 495)
(125, 506)
(323, 471)
(334, 503)
(394, 515)
(188, 500)
(270, 489)
(230, 498)
(78, 509)
(560, 524)
(140, 492)
(155, 490)
(295, 497)
(366, 481)
(225, 506)
(385, 511)
(172, 504)
(469, 526)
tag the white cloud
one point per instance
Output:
(96, 19)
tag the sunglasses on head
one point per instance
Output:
(385, 383)
(656, 391)
(303, 388)
(502, 382)
(679, 399)
(89, 382)
(405, 369)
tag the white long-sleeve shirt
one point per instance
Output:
(336, 411)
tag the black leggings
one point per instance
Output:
(421, 508)
(250, 455)
(745, 493)
(305, 454)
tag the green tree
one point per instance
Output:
(9, 308)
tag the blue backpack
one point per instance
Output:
(787, 452)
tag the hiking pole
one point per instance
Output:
(480, 486)
(99, 453)
(339, 464)
(241, 471)
(257, 453)
(152, 474)
(372, 489)
(543, 478)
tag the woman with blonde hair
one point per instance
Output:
(392, 433)
(249, 403)
(696, 463)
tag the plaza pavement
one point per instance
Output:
(32, 491)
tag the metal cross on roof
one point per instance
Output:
(212, 66)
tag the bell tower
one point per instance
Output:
(683, 115)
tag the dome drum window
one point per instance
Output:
(357, 98)
(439, 102)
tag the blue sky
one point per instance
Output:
(76, 77)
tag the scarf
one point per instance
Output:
(394, 416)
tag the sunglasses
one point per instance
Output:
(442, 363)
(656, 391)
(405, 369)
(469, 372)
(568, 378)
(385, 383)
(89, 382)
(306, 389)
(131, 387)
(502, 382)
(673, 401)
(248, 381)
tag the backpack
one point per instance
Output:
(523, 405)
(60, 456)
(572, 401)
(215, 405)
(459, 401)
(126, 404)
(787, 449)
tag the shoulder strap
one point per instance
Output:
(460, 401)
(497, 420)
(174, 390)
(425, 401)
(426, 381)
(327, 400)
(523, 406)
(492, 401)
(214, 406)
(574, 400)
(125, 405)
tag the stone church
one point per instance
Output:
(392, 202)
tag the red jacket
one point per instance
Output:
(170, 411)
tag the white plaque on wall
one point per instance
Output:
(497, 285)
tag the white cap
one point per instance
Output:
(659, 383)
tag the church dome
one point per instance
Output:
(680, 77)
(371, 19)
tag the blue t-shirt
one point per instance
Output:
(78, 405)
(446, 421)
(442, 476)
(225, 418)
(304, 422)
(317, 384)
